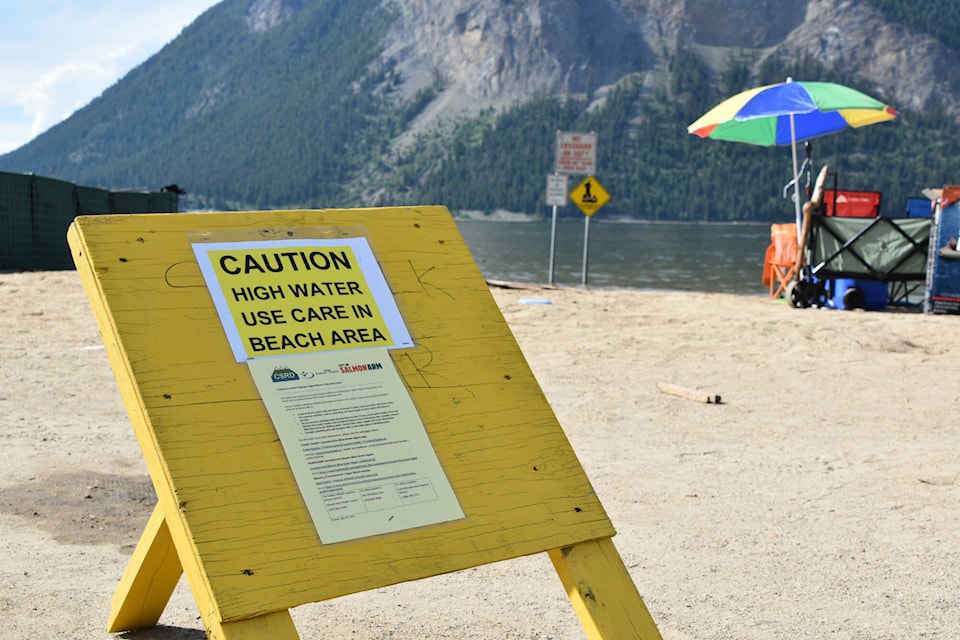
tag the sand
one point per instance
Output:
(819, 499)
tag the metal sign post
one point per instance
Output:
(556, 197)
(589, 196)
(586, 250)
(553, 246)
(576, 153)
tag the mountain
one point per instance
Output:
(318, 103)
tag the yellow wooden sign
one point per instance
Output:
(229, 513)
(589, 195)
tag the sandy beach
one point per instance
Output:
(819, 499)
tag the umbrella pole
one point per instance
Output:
(796, 178)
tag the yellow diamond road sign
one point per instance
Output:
(589, 196)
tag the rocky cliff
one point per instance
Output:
(489, 52)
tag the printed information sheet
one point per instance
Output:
(358, 449)
(283, 297)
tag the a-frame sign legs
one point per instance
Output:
(149, 579)
(602, 592)
(599, 586)
(152, 575)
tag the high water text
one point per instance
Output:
(290, 300)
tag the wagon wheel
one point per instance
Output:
(854, 298)
(795, 293)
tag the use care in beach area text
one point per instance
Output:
(272, 302)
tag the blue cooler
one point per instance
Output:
(849, 293)
(919, 208)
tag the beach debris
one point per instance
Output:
(689, 394)
(508, 284)
(532, 301)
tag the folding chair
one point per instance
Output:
(785, 255)
(780, 265)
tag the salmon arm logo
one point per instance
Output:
(284, 374)
(354, 368)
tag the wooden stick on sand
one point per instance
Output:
(689, 394)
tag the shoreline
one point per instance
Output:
(511, 216)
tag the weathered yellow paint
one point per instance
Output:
(167, 505)
(149, 581)
(272, 626)
(602, 592)
(228, 497)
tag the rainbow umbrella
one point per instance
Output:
(790, 112)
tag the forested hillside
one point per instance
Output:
(241, 118)
(308, 112)
(939, 18)
(655, 170)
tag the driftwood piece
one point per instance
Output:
(689, 394)
(506, 284)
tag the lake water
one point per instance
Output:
(719, 258)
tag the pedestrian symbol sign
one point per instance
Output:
(589, 196)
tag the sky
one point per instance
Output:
(58, 55)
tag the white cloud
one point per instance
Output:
(60, 91)
(56, 57)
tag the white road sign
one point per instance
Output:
(576, 153)
(556, 190)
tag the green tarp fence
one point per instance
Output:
(35, 212)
